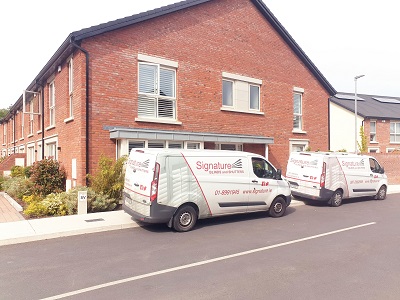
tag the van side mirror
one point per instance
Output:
(382, 170)
(278, 175)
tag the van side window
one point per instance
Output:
(262, 168)
(374, 165)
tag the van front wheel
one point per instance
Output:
(277, 208)
(185, 218)
(336, 199)
(381, 195)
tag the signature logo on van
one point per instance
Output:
(201, 165)
(139, 164)
(353, 164)
(304, 163)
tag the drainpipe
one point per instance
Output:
(87, 104)
(329, 124)
(42, 119)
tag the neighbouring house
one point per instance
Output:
(208, 74)
(380, 118)
(379, 115)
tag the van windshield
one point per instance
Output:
(262, 168)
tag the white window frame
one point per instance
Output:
(372, 134)
(5, 134)
(149, 109)
(299, 114)
(298, 143)
(31, 119)
(233, 146)
(395, 133)
(373, 150)
(30, 155)
(52, 104)
(22, 126)
(71, 87)
(241, 93)
(123, 145)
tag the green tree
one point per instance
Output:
(3, 112)
(363, 145)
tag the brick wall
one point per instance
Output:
(391, 163)
(206, 40)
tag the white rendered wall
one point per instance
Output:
(342, 126)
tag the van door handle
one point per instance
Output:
(136, 184)
(255, 181)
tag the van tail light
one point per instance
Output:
(154, 183)
(323, 175)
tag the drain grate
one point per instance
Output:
(95, 220)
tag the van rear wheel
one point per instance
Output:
(336, 199)
(185, 218)
(277, 208)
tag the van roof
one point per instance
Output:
(321, 153)
(203, 152)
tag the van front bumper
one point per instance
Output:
(160, 215)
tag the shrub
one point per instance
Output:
(96, 202)
(34, 207)
(48, 177)
(17, 171)
(109, 179)
(17, 187)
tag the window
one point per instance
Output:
(227, 93)
(254, 97)
(5, 133)
(31, 118)
(297, 145)
(22, 125)
(374, 165)
(52, 104)
(51, 150)
(395, 132)
(262, 168)
(232, 147)
(297, 111)
(372, 131)
(157, 91)
(70, 87)
(240, 93)
(373, 150)
(30, 155)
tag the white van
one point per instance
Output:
(178, 187)
(333, 176)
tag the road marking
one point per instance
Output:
(204, 262)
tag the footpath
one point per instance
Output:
(15, 229)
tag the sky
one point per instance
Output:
(343, 38)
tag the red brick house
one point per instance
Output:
(213, 74)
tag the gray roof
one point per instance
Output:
(67, 47)
(370, 106)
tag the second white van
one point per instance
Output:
(334, 176)
(178, 187)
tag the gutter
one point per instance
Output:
(72, 41)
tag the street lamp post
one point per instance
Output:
(355, 112)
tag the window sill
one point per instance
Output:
(39, 132)
(67, 120)
(299, 131)
(50, 127)
(21, 139)
(394, 143)
(163, 121)
(374, 142)
(242, 111)
(30, 135)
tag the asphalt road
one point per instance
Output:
(313, 252)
